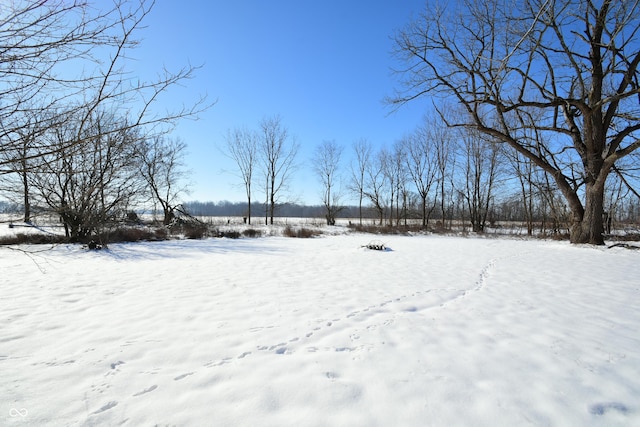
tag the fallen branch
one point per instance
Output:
(624, 245)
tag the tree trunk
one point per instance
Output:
(590, 228)
(168, 215)
(272, 207)
(27, 203)
(249, 209)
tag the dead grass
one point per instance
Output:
(302, 232)
(387, 229)
(31, 239)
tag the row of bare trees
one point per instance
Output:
(79, 134)
(550, 85)
(266, 155)
(448, 173)
(435, 172)
(425, 173)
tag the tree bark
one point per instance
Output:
(590, 227)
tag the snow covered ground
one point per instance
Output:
(435, 331)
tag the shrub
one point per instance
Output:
(160, 233)
(230, 234)
(387, 229)
(195, 231)
(190, 227)
(32, 239)
(302, 232)
(252, 232)
(127, 234)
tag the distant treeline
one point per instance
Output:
(288, 210)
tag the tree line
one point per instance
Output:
(548, 87)
(535, 117)
(436, 176)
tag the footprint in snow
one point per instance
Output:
(332, 375)
(183, 376)
(106, 407)
(603, 408)
(147, 390)
(116, 364)
(281, 350)
(218, 362)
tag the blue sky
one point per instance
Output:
(323, 66)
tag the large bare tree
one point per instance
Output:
(566, 68)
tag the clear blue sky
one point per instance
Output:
(323, 66)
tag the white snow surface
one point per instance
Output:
(434, 331)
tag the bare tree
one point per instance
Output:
(394, 168)
(362, 150)
(242, 147)
(66, 59)
(567, 68)
(376, 182)
(523, 169)
(480, 174)
(421, 164)
(278, 152)
(446, 144)
(36, 38)
(326, 164)
(18, 158)
(92, 185)
(160, 163)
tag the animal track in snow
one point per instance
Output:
(147, 390)
(116, 364)
(219, 362)
(106, 407)
(183, 376)
(603, 408)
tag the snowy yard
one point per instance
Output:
(435, 331)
